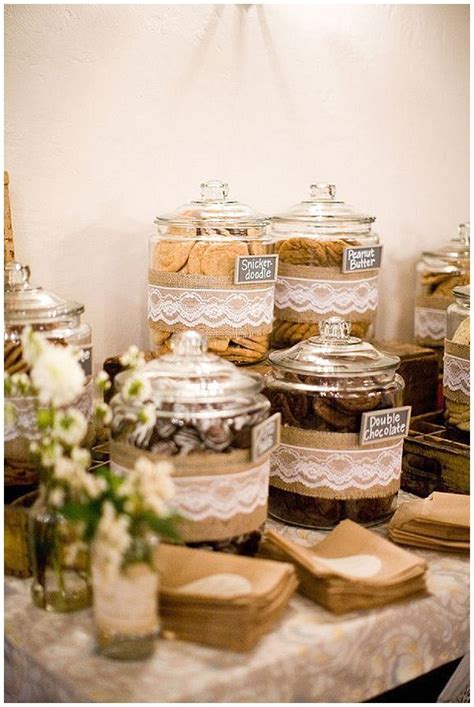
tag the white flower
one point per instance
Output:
(70, 426)
(112, 540)
(57, 376)
(21, 383)
(81, 456)
(132, 358)
(57, 496)
(71, 551)
(136, 388)
(33, 344)
(103, 413)
(50, 454)
(154, 485)
(102, 381)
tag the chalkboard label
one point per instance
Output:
(85, 359)
(255, 268)
(384, 424)
(266, 436)
(361, 258)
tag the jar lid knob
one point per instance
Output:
(214, 190)
(321, 190)
(334, 328)
(464, 230)
(16, 274)
(188, 343)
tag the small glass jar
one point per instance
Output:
(320, 473)
(191, 283)
(207, 413)
(311, 238)
(60, 321)
(437, 273)
(456, 374)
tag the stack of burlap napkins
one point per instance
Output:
(439, 522)
(352, 568)
(221, 600)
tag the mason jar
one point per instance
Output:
(60, 322)
(437, 274)
(342, 425)
(209, 271)
(456, 374)
(329, 261)
(210, 416)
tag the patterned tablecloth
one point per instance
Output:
(310, 656)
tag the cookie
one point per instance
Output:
(196, 257)
(220, 258)
(171, 256)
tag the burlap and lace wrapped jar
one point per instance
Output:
(60, 321)
(192, 277)
(328, 266)
(438, 273)
(456, 374)
(207, 414)
(326, 468)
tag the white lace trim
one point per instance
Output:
(337, 469)
(456, 375)
(323, 296)
(430, 323)
(211, 308)
(24, 413)
(200, 498)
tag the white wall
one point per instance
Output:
(117, 113)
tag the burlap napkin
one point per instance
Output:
(440, 521)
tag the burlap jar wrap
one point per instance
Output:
(334, 466)
(218, 495)
(430, 319)
(456, 384)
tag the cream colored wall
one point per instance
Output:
(117, 113)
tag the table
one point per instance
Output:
(311, 655)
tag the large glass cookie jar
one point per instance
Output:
(194, 272)
(328, 266)
(341, 449)
(438, 273)
(60, 321)
(456, 374)
(206, 413)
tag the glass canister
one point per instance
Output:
(207, 417)
(456, 374)
(60, 321)
(341, 449)
(329, 260)
(437, 274)
(195, 282)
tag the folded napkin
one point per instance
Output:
(219, 599)
(352, 568)
(439, 522)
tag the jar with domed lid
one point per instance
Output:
(329, 260)
(60, 321)
(342, 426)
(456, 374)
(438, 273)
(208, 418)
(211, 270)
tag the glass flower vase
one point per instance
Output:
(60, 578)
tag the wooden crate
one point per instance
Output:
(434, 458)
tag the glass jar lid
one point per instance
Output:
(334, 353)
(189, 374)
(214, 208)
(463, 293)
(26, 304)
(457, 248)
(322, 209)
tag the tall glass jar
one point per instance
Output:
(337, 458)
(192, 281)
(60, 321)
(208, 416)
(456, 375)
(438, 272)
(316, 277)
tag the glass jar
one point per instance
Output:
(321, 473)
(207, 415)
(311, 238)
(437, 273)
(456, 374)
(60, 321)
(191, 283)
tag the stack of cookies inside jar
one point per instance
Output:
(329, 260)
(208, 272)
(456, 374)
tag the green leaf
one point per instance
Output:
(164, 527)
